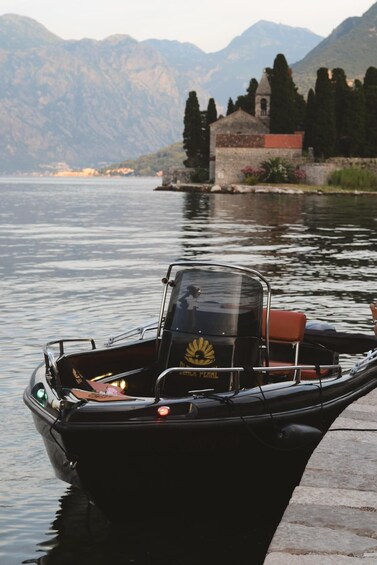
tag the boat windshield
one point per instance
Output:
(215, 303)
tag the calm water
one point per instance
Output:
(84, 258)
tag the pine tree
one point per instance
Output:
(192, 133)
(324, 132)
(282, 108)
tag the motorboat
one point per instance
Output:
(190, 411)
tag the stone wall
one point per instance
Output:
(357, 162)
(230, 161)
(233, 152)
(318, 173)
(176, 175)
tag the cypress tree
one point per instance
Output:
(247, 101)
(300, 110)
(324, 132)
(282, 109)
(370, 93)
(352, 141)
(211, 112)
(192, 133)
(309, 120)
(208, 118)
(231, 107)
(340, 89)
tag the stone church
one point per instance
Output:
(241, 140)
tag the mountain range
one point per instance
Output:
(88, 103)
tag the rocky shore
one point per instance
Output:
(233, 188)
(258, 189)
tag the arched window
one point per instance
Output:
(263, 107)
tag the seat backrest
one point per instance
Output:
(285, 326)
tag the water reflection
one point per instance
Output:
(318, 251)
(80, 535)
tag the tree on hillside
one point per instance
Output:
(282, 108)
(370, 93)
(324, 132)
(192, 132)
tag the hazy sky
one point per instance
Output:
(209, 24)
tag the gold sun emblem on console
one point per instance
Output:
(200, 352)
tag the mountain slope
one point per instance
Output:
(352, 46)
(247, 55)
(89, 103)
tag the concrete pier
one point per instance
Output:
(331, 518)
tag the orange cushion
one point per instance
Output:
(285, 325)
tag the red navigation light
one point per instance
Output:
(163, 411)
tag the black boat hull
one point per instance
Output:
(123, 465)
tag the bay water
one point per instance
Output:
(84, 258)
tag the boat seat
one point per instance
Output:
(286, 329)
(97, 368)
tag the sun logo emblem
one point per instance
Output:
(200, 352)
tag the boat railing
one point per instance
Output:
(138, 331)
(233, 370)
(236, 371)
(50, 355)
(51, 360)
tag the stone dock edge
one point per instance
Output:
(331, 518)
(258, 189)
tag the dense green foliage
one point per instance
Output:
(354, 179)
(274, 170)
(341, 117)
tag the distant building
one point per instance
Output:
(241, 140)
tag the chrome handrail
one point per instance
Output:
(299, 368)
(161, 377)
(49, 355)
(238, 370)
(136, 331)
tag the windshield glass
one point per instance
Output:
(214, 302)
